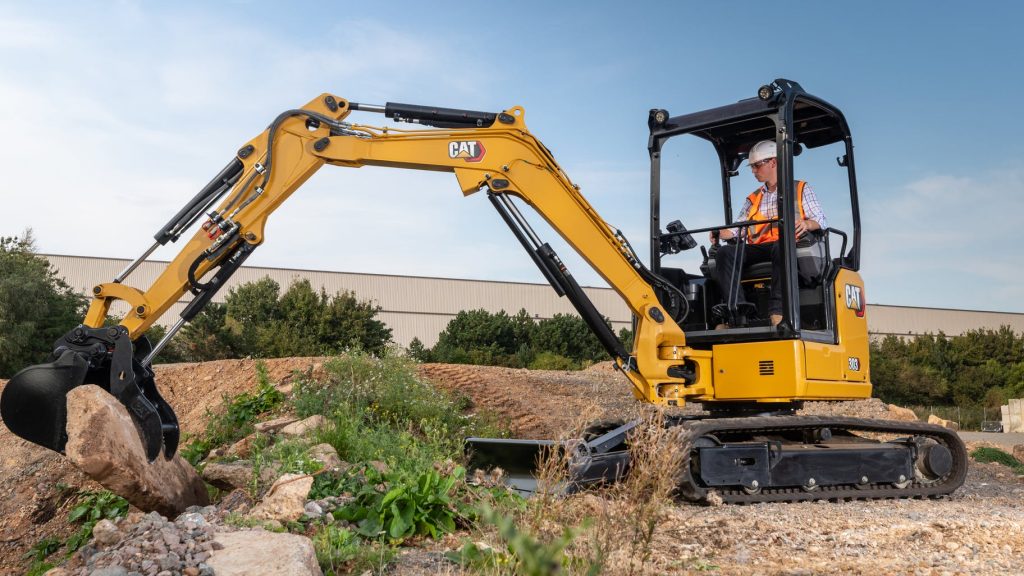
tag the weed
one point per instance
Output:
(90, 508)
(39, 553)
(385, 505)
(341, 551)
(523, 554)
(985, 454)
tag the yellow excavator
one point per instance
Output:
(749, 445)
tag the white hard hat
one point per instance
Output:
(761, 150)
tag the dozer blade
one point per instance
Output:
(34, 402)
(597, 458)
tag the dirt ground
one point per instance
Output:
(979, 530)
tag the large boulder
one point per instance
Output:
(103, 443)
(250, 552)
(286, 499)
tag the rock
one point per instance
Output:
(304, 426)
(232, 475)
(106, 533)
(379, 466)
(286, 499)
(237, 501)
(901, 413)
(313, 510)
(1018, 452)
(110, 571)
(933, 419)
(327, 455)
(103, 443)
(266, 553)
(240, 449)
(271, 426)
(58, 571)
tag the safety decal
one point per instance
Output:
(854, 363)
(468, 150)
(855, 299)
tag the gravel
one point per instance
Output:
(152, 546)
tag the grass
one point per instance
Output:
(985, 454)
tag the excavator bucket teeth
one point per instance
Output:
(34, 403)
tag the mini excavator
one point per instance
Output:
(749, 445)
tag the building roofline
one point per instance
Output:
(333, 272)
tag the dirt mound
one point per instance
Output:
(855, 537)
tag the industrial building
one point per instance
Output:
(421, 307)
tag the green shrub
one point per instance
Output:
(985, 454)
(552, 361)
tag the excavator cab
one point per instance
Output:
(797, 122)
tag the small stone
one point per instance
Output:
(313, 510)
(106, 533)
(190, 571)
(192, 519)
(109, 571)
(326, 455)
(170, 537)
(169, 561)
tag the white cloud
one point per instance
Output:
(947, 240)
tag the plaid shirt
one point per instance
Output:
(769, 207)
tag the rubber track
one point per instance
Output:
(691, 430)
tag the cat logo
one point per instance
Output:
(468, 150)
(855, 299)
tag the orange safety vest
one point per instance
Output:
(765, 233)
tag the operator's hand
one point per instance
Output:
(805, 226)
(724, 234)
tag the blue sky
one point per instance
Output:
(116, 113)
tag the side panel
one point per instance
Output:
(768, 371)
(848, 360)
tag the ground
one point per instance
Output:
(979, 530)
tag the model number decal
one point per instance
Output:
(468, 150)
(854, 364)
(855, 299)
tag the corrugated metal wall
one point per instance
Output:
(411, 306)
(421, 307)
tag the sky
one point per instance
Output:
(114, 114)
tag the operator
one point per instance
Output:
(762, 240)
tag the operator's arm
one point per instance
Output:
(815, 215)
(729, 233)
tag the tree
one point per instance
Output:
(257, 320)
(568, 335)
(36, 306)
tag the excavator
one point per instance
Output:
(748, 444)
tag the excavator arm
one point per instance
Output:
(491, 152)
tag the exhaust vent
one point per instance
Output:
(766, 367)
